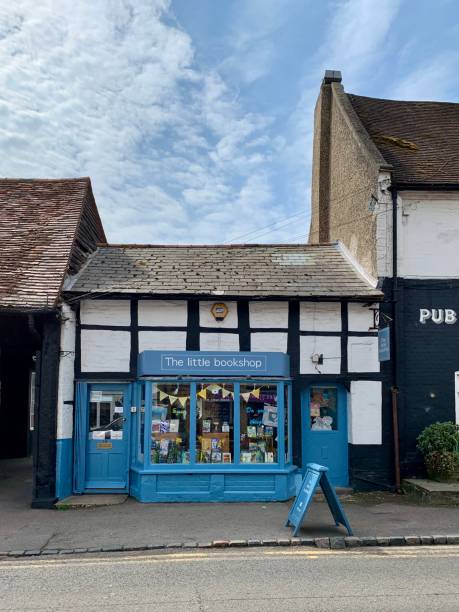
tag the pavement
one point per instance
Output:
(130, 525)
(245, 580)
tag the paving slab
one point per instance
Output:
(133, 524)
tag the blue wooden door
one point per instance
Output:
(324, 425)
(107, 437)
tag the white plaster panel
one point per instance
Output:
(360, 317)
(105, 350)
(364, 412)
(362, 354)
(105, 312)
(428, 239)
(162, 313)
(320, 316)
(268, 314)
(66, 375)
(328, 346)
(270, 342)
(162, 341)
(206, 318)
(219, 342)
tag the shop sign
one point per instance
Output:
(384, 344)
(437, 315)
(202, 363)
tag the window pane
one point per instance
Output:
(259, 423)
(106, 415)
(286, 416)
(323, 408)
(214, 423)
(170, 425)
(142, 422)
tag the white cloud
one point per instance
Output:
(112, 90)
(430, 80)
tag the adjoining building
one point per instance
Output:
(386, 183)
(217, 372)
(47, 228)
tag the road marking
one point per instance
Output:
(230, 555)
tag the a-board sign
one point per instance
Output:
(316, 475)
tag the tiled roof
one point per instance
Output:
(419, 139)
(236, 270)
(38, 224)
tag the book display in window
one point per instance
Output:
(170, 425)
(214, 423)
(258, 422)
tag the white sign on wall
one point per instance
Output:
(437, 315)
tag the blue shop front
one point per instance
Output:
(194, 426)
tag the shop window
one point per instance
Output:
(258, 423)
(214, 423)
(141, 433)
(323, 408)
(170, 425)
(106, 418)
(286, 422)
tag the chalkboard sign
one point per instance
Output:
(316, 475)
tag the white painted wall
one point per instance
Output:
(328, 346)
(428, 239)
(268, 314)
(320, 316)
(162, 341)
(105, 350)
(383, 213)
(219, 342)
(364, 412)
(275, 342)
(206, 318)
(162, 313)
(66, 374)
(362, 354)
(360, 317)
(105, 312)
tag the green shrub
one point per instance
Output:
(441, 463)
(439, 437)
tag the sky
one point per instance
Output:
(194, 118)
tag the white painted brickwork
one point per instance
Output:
(268, 314)
(364, 412)
(105, 350)
(66, 374)
(362, 354)
(206, 318)
(162, 341)
(320, 316)
(219, 342)
(105, 312)
(328, 346)
(162, 313)
(360, 317)
(269, 342)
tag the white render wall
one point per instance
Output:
(219, 342)
(320, 316)
(360, 317)
(365, 412)
(163, 313)
(362, 354)
(268, 314)
(206, 318)
(275, 342)
(105, 312)
(428, 238)
(162, 341)
(105, 350)
(328, 346)
(66, 374)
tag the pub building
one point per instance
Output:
(216, 373)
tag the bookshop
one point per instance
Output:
(195, 426)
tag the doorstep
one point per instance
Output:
(87, 501)
(431, 491)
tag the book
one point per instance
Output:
(216, 456)
(227, 458)
(156, 426)
(225, 427)
(206, 424)
(164, 426)
(246, 457)
(269, 457)
(174, 425)
(251, 431)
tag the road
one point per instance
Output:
(425, 578)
